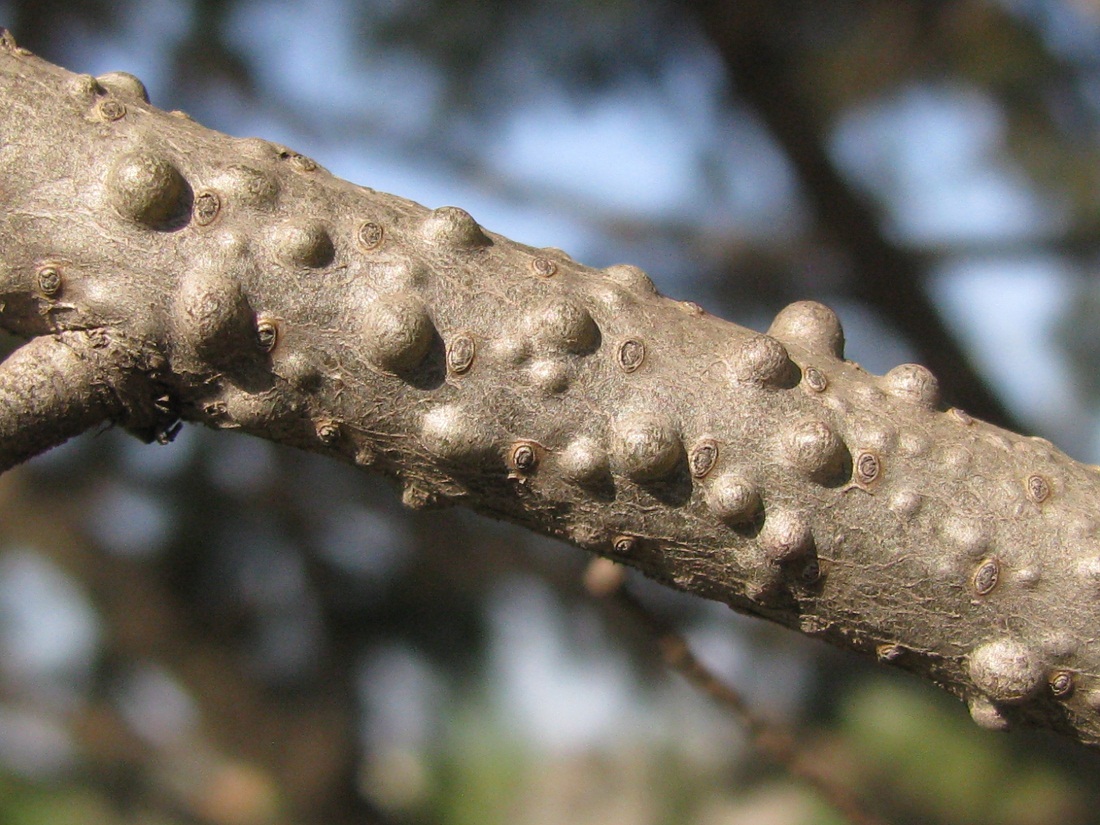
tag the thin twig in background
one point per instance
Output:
(605, 579)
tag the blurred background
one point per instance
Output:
(221, 632)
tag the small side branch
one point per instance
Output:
(50, 391)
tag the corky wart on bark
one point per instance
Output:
(163, 270)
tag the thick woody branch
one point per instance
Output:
(241, 286)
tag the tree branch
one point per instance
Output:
(51, 389)
(773, 741)
(884, 274)
(302, 744)
(241, 286)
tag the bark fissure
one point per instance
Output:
(236, 284)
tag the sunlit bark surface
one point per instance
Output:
(164, 272)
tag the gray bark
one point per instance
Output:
(163, 271)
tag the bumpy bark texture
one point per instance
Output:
(170, 272)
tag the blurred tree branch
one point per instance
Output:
(306, 761)
(604, 579)
(752, 38)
